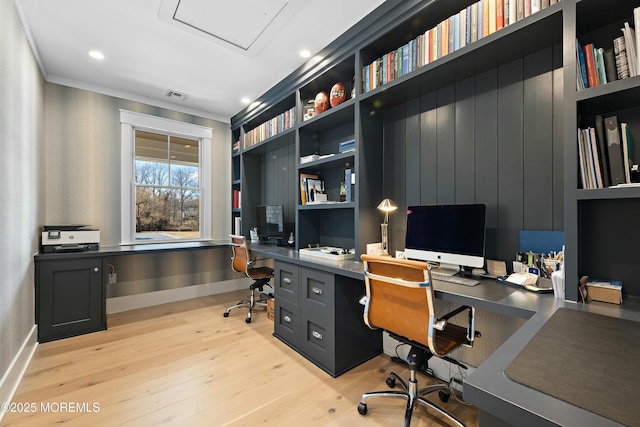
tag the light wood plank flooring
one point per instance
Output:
(185, 364)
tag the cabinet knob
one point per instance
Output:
(317, 291)
(287, 319)
(316, 335)
(287, 280)
(96, 269)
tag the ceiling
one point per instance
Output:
(214, 52)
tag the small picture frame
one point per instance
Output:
(304, 187)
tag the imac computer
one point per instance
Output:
(450, 235)
(270, 219)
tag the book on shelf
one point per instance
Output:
(636, 24)
(236, 199)
(237, 226)
(603, 150)
(610, 65)
(614, 144)
(630, 42)
(590, 65)
(620, 54)
(271, 127)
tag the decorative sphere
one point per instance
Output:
(338, 94)
(321, 103)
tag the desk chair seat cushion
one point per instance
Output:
(259, 272)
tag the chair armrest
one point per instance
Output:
(442, 321)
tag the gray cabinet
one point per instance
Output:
(70, 297)
(318, 314)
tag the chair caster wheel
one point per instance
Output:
(391, 382)
(362, 408)
(444, 396)
(248, 320)
(225, 314)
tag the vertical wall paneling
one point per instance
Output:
(486, 138)
(465, 182)
(412, 154)
(558, 148)
(510, 154)
(445, 122)
(428, 149)
(537, 142)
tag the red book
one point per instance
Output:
(499, 14)
(591, 65)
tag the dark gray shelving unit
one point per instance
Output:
(493, 122)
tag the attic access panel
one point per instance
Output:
(242, 25)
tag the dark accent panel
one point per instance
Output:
(465, 182)
(428, 151)
(411, 181)
(538, 141)
(445, 122)
(486, 134)
(510, 152)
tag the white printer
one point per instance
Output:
(69, 238)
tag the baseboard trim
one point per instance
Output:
(148, 299)
(15, 372)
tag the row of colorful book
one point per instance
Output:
(467, 26)
(619, 60)
(272, 127)
(606, 154)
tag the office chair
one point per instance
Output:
(241, 263)
(401, 301)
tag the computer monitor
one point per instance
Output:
(451, 235)
(270, 219)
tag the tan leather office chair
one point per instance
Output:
(401, 300)
(241, 262)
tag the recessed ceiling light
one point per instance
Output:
(96, 54)
(305, 53)
(245, 100)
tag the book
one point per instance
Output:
(480, 19)
(636, 24)
(610, 65)
(620, 54)
(493, 14)
(519, 9)
(596, 158)
(500, 14)
(626, 141)
(600, 72)
(582, 67)
(630, 41)
(590, 65)
(347, 184)
(582, 161)
(474, 22)
(602, 150)
(614, 149)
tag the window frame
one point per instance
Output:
(132, 121)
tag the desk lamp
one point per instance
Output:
(386, 206)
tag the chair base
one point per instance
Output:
(252, 302)
(412, 395)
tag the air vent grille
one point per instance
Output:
(170, 93)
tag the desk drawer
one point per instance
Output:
(286, 321)
(286, 283)
(317, 291)
(317, 340)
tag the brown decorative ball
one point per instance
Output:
(338, 94)
(321, 103)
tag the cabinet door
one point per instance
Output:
(286, 322)
(317, 291)
(70, 298)
(286, 281)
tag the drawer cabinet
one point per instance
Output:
(318, 315)
(70, 297)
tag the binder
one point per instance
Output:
(614, 148)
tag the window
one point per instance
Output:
(165, 180)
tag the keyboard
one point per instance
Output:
(466, 281)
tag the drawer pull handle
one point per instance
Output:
(316, 335)
(317, 291)
(287, 319)
(96, 269)
(287, 280)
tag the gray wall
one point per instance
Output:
(21, 182)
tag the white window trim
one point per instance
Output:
(130, 121)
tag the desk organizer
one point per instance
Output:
(327, 252)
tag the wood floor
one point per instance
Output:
(185, 364)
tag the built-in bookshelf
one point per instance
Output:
(600, 216)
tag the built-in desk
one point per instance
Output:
(500, 401)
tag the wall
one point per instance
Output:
(21, 187)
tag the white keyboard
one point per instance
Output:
(455, 279)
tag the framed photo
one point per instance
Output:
(304, 187)
(315, 190)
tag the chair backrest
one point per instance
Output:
(239, 254)
(400, 298)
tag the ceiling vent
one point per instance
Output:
(176, 95)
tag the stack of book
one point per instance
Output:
(467, 26)
(606, 153)
(619, 60)
(347, 146)
(270, 128)
(236, 146)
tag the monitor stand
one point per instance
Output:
(446, 269)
